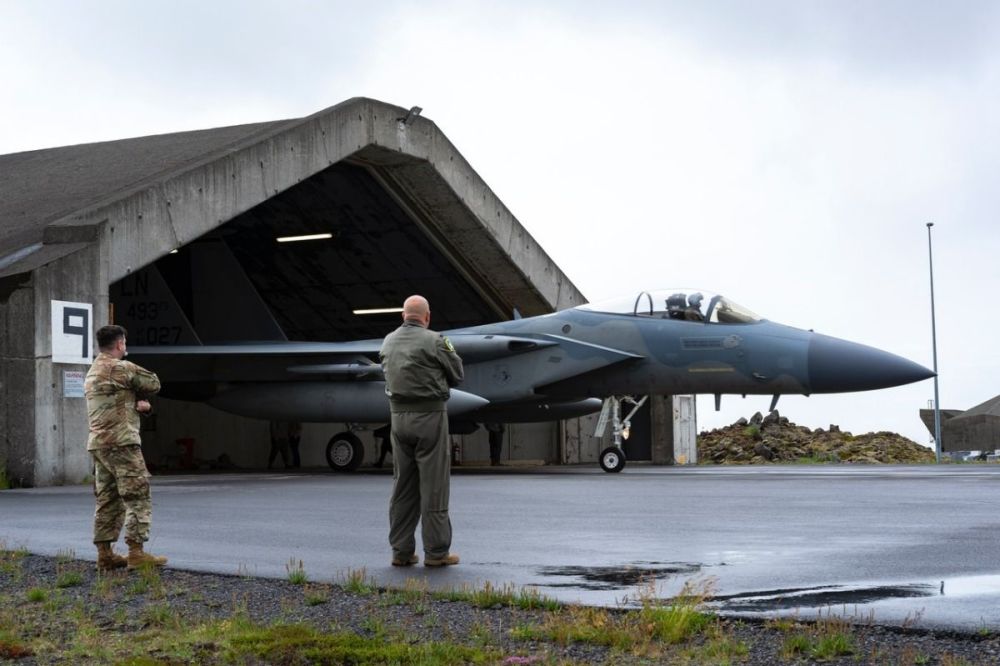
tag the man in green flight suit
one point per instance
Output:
(117, 392)
(420, 366)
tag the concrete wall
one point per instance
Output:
(44, 433)
(61, 423)
(17, 378)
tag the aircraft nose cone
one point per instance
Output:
(839, 366)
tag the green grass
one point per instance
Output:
(160, 615)
(825, 640)
(315, 596)
(835, 645)
(752, 431)
(68, 579)
(796, 645)
(642, 632)
(491, 596)
(811, 460)
(719, 648)
(296, 643)
(414, 592)
(37, 594)
(357, 581)
(296, 572)
(12, 561)
(12, 647)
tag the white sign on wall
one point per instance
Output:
(73, 383)
(72, 332)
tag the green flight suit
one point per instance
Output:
(420, 366)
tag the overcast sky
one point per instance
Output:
(785, 154)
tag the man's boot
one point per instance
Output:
(107, 559)
(137, 557)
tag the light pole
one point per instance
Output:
(937, 404)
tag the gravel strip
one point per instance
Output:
(122, 601)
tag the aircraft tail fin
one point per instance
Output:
(144, 304)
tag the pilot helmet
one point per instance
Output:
(694, 300)
(676, 303)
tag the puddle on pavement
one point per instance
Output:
(829, 595)
(766, 601)
(616, 578)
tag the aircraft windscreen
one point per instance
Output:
(685, 304)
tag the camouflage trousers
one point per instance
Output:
(121, 486)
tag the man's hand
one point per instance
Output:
(143, 406)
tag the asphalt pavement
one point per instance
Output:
(901, 545)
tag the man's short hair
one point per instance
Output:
(107, 336)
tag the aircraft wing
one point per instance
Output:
(332, 361)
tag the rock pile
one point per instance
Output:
(774, 439)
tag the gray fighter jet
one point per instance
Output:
(544, 368)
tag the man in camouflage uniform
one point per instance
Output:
(420, 366)
(116, 392)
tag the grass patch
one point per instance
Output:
(357, 581)
(296, 643)
(315, 596)
(796, 645)
(637, 632)
(782, 624)
(508, 595)
(719, 648)
(37, 595)
(811, 460)
(160, 615)
(414, 592)
(149, 574)
(68, 579)
(827, 639)
(11, 647)
(137, 588)
(296, 572)
(12, 561)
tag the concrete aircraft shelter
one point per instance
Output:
(174, 236)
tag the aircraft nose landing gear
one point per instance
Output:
(612, 459)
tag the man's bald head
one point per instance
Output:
(417, 309)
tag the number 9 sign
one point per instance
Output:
(72, 332)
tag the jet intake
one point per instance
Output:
(479, 348)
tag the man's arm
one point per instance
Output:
(451, 362)
(142, 381)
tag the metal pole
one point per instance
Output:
(937, 404)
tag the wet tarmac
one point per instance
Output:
(912, 546)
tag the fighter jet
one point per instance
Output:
(545, 368)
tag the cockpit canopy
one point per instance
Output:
(684, 304)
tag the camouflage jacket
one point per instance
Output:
(419, 366)
(112, 388)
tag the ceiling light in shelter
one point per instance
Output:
(377, 311)
(307, 237)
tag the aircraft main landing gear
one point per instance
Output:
(344, 452)
(612, 459)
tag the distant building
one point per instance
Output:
(974, 429)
